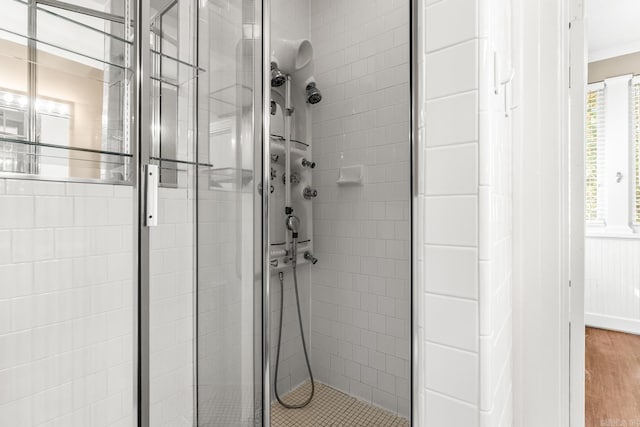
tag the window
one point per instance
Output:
(635, 148)
(595, 186)
(635, 138)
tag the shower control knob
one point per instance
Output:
(309, 193)
(307, 164)
(295, 178)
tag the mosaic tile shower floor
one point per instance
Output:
(331, 407)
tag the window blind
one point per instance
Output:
(595, 161)
(635, 141)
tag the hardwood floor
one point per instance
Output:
(612, 379)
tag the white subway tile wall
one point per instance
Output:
(495, 207)
(171, 289)
(360, 288)
(225, 306)
(464, 248)
(66, 303)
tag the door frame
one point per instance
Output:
(577, 47)
(266, 180)
(414, 88)
(142, 157)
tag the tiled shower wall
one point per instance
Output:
(360, 288)
(464, 210)
(225, 306)
(66, 297)
(171, 287)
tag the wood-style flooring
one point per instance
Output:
(612, 379)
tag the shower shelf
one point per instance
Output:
(296, 145)
(277, 252)
(351, 175)
(217, 177)
(301, 242)
(277, 137)
(277, 147)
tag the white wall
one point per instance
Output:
(496, 233)
(540, 283)
(612, 283)
(360, 295)
(66, 297)
(448, 208)
(465, 206)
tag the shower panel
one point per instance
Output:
(295, 171)
(291, 246)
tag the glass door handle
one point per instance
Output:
(152, 176)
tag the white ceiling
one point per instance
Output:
(613, 28)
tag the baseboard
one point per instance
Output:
(621, 324)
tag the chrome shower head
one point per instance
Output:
(313, 93)
(277, 77)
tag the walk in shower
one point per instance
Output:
(340, 148)
(205, 212)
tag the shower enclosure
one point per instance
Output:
(130, 216)
(144, 158)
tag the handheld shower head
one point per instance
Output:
(277, 77)
(313, 93)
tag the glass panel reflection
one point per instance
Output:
(68, 75)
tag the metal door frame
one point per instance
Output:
(414, 147)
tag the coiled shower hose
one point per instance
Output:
(304, 344)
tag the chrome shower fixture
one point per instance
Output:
(313, 93)
(293, 224)
(307, 164)
(309, 257)
(277, 77)
(309, 193)
(295, 178)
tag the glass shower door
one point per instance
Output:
(204, 271)
(229, 213)
(172, 233)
